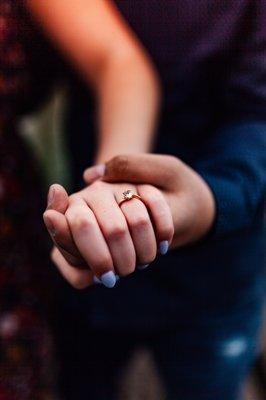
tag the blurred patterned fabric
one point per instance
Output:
(26, 342)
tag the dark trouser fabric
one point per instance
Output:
(197, 309)
(195, 363)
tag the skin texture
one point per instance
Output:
(96, 41)
(114, 64)
(165, 183)
(189, 197)
(119, 238)
(94, 38)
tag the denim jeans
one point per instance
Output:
(207, 362)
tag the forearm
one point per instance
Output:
(128, 102)
(99, 44)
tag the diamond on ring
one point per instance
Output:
(128, 194)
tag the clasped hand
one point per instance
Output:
(96, 240)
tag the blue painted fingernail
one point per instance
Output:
(163, 247)
(97, 280)
(141, 267)
(108, 279)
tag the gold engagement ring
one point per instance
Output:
(129, 195)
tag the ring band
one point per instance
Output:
(129, 195)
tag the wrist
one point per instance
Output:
(193, 210)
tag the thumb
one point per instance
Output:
(154, 169)
(93, 173)
(57, 198)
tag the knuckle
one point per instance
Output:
(117, 231)
(98, 185)
(80, 222)
(72, 198)
(83, 223)
(140, 222)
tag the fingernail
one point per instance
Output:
(141, 267)
(50, 197)
(108, 279)
(97, 281)
(163, 247)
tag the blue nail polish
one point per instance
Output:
(97, 281)
(163, 247)
(108, 279)
(141, 267)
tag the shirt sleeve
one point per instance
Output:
(233, 162)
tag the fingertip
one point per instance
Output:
(163, 247)
(57, 198)
(50, 196)
(59, 190)
(58, 186)
(93, 173)
(108, 279)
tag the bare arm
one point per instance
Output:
(96, 40)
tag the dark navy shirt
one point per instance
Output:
(211, 57)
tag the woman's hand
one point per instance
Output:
(188, 196)
(179, 189)
(90, 229)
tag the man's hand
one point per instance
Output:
(190, 199)
(84, 226)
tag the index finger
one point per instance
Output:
(57, 226)
(158, 170)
